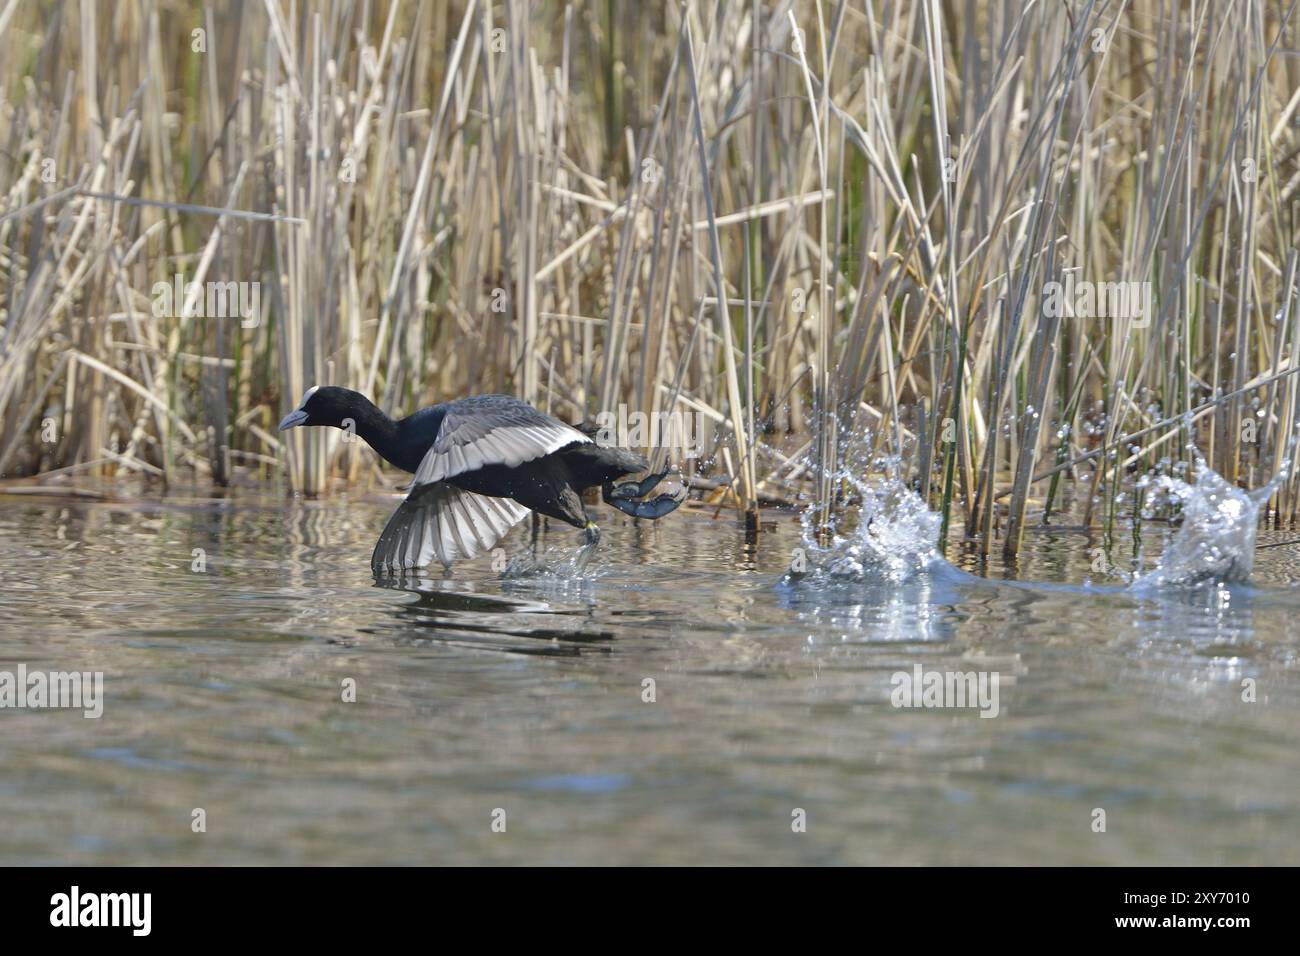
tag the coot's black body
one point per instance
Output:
(480, 464)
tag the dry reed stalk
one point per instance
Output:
(928, 170)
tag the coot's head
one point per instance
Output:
(324, 405)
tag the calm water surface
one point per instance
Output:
(524, 693)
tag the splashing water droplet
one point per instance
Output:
(558, 566)
(1216, 541)
(891, 536)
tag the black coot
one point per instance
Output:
(480, 464)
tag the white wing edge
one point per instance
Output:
(508, 445)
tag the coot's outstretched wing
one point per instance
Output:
(440, 522)
(492, 430)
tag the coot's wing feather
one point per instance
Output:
(492, 430)
(441, 522)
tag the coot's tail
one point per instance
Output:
(444, 523)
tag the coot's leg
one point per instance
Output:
(589, 548)
(633, 489)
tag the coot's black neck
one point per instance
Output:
(400, 443)
(381, 433)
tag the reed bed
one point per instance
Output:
(828, 230)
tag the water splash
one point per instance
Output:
(555, 565)
(890, 536)
(1215, 542)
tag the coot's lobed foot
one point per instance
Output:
(654, 508)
